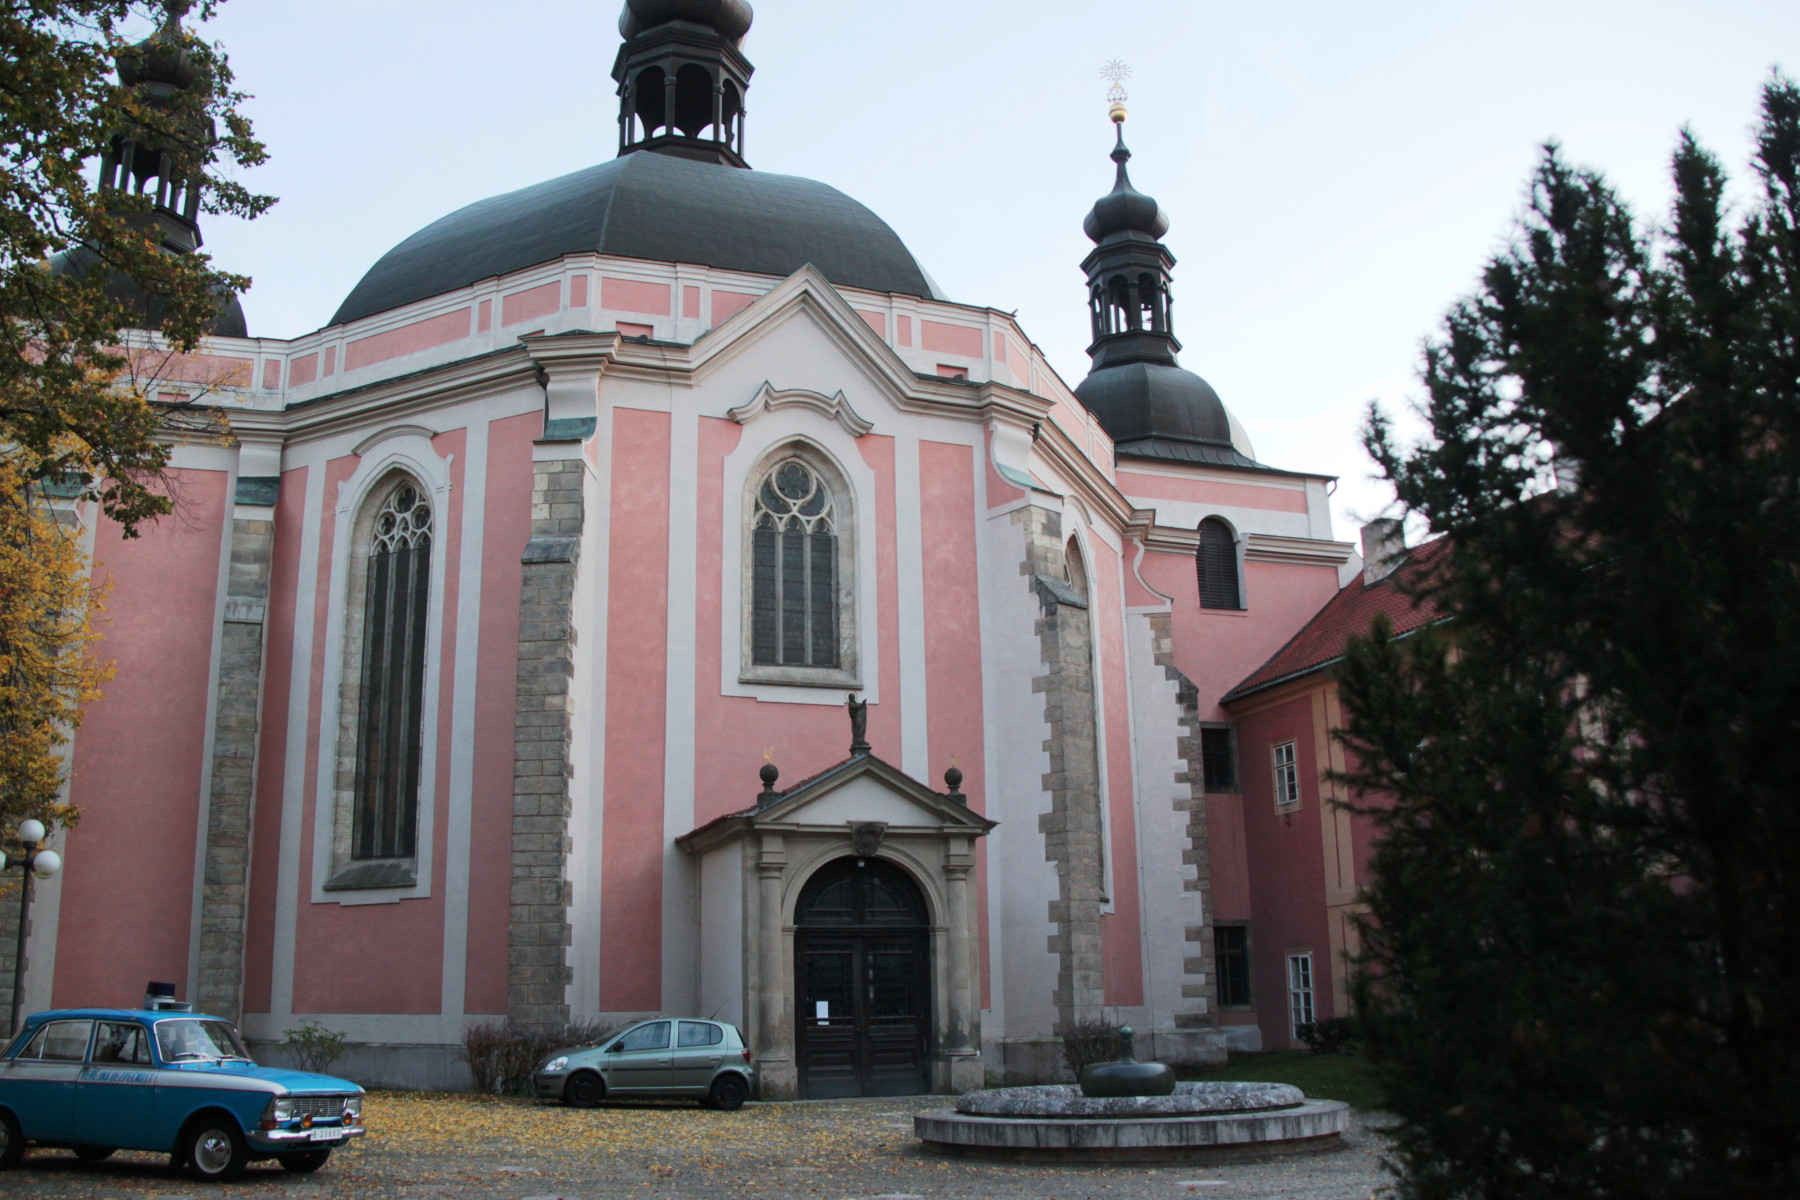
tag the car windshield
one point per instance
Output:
(195, 1040)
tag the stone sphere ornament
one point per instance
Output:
(1127, 1076)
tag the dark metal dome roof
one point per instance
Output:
(730, 19)
(148, 305)
(650, 206)
(1159, 410)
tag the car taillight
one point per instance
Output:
(747, 1056)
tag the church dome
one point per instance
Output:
(1160, 410)
(651, 206)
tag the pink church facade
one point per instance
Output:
(444, 696)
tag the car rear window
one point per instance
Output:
(60, 1041)
(700, 1033)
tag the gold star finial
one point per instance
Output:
(768, 754)
(1116, 72)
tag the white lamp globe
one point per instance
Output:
(31, 830)
(46, 864)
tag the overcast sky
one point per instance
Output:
(1335, 174)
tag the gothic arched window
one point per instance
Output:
(391, 691)
(794, 569)
(1218, 567)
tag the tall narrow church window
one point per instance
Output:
(392, 695)
(794, 566)
(1217, 563)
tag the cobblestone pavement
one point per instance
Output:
(440, 1147)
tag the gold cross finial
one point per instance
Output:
(1116, 72)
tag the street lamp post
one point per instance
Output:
(43, 864)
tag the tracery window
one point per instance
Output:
(1217, 565)
(794, 569)
(390, 710)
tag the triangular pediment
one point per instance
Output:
(859, 790)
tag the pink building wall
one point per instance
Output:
(506, 529)
(953, 710)
(1287, 890)
(139, 760)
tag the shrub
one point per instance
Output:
(312, 1047)
(1087, 1042)
(1333, 1035)
(502, 1055)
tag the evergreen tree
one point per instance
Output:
(1581, 966)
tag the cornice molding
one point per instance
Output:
(1305, 552)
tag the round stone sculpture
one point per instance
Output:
(1066, 1102)
(1127, 1076)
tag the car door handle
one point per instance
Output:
(663, 1062)
(716, 1059)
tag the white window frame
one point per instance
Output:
(408, 450)
(1301, 995)
(1285, 758)
(771, 433)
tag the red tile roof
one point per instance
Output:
(1321, 641)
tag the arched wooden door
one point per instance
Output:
(862, 971)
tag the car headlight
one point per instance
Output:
(352, 1107)
(557, 1063)
(281, 1109)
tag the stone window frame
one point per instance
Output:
(386, 457)
(790, 433)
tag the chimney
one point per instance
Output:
(1383, 546)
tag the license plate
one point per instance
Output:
(327, 1135)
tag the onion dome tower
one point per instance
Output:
(1146, 402)
(682, 78)
(158, 71)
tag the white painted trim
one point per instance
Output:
(915, 742)
(587, 818)
(412, 452)
(459, 835)
(769, 432)
(293, 780)
(680, 932)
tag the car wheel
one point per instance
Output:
(305, 1162)
(12, 1142)
(94, 1153)
(728, 1093)
(214, 1151)
(584, 1090)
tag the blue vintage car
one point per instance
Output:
(96, 1080)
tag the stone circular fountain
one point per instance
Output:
(1127, 1111)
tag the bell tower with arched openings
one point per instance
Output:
(1128, 271)
(682, 78)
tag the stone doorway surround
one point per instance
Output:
(753, 864)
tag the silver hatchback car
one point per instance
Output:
(662, 1058)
